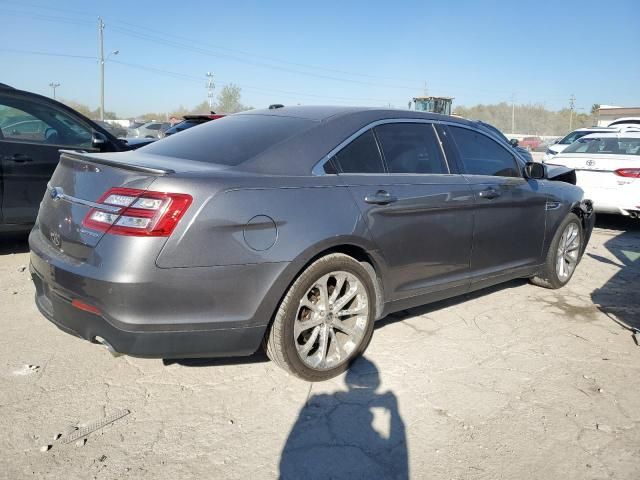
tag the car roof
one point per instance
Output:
(322, 113)
(627, 134)
(333, 125)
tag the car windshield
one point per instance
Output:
(572, 137)
(230, 140)
(605, 145)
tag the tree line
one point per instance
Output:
(529, 119)
(229, 100)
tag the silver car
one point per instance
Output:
(294, 229)
(149, 130)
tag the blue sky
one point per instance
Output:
(349, 52)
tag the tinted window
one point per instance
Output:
(410, 148)
(37, 122)
(230, 140)
(481, 155)
(360, 156)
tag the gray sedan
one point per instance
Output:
(294, 229)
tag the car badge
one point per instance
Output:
(591, 163)
(55, 238)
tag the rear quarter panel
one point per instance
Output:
(278, 222)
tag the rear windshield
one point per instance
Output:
(230, 140)
(178, 127)
(605, 145)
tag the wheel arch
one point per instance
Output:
(360, 249)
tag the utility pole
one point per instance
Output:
(101, 60)
(54, 85)
(572, 104)
(513, 113)
(210, 87)
(425, 88)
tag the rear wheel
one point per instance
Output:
(563, 255)
(325, 319)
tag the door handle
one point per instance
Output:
(381, 197)
(20, 158)
(489, 193)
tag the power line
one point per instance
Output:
(46, 54)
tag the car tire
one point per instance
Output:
(309, 336)
(563, 255)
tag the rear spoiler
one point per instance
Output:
(93, 158)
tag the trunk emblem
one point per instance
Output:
(56, 193)
(55, 238)
(591, 163)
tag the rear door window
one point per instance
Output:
(411, 148)
(360, 156)
(480, 155)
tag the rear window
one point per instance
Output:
(605, 145)
(230, 140)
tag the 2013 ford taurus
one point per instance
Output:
(293, 228)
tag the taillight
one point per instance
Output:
(628, 172)
(138, 212)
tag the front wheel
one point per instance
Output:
(325, 319)
(563, 255)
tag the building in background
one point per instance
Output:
(609, 113)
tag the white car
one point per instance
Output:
(633, 121)
(607, 168)
(560, 145)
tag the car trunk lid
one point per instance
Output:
(77, 185)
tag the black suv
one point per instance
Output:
(33, 129)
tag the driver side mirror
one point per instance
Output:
(514, 142)
(535, 170)
(98, 140)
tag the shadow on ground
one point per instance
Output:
(351, 434)
(14, 243)
(619, 298)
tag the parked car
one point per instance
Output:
(530, 143)
(114, 129)
(191, 121)
(627, 121)
(33, 129)
(607, 168)
(297, 228)
(563, 143)
(524, 153)
(149, 130)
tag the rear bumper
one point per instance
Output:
(620, 200)
(155, 312)
(148, 343)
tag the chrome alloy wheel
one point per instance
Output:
(568, 252)
(331, 320)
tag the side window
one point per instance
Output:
(410, 148)
(481, 155)
(18, 125)
(153, 126)
(360, 156)
(29, 121)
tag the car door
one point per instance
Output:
(32, 132)
(419, 213)
(509, 219)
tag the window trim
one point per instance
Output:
(318, 168)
